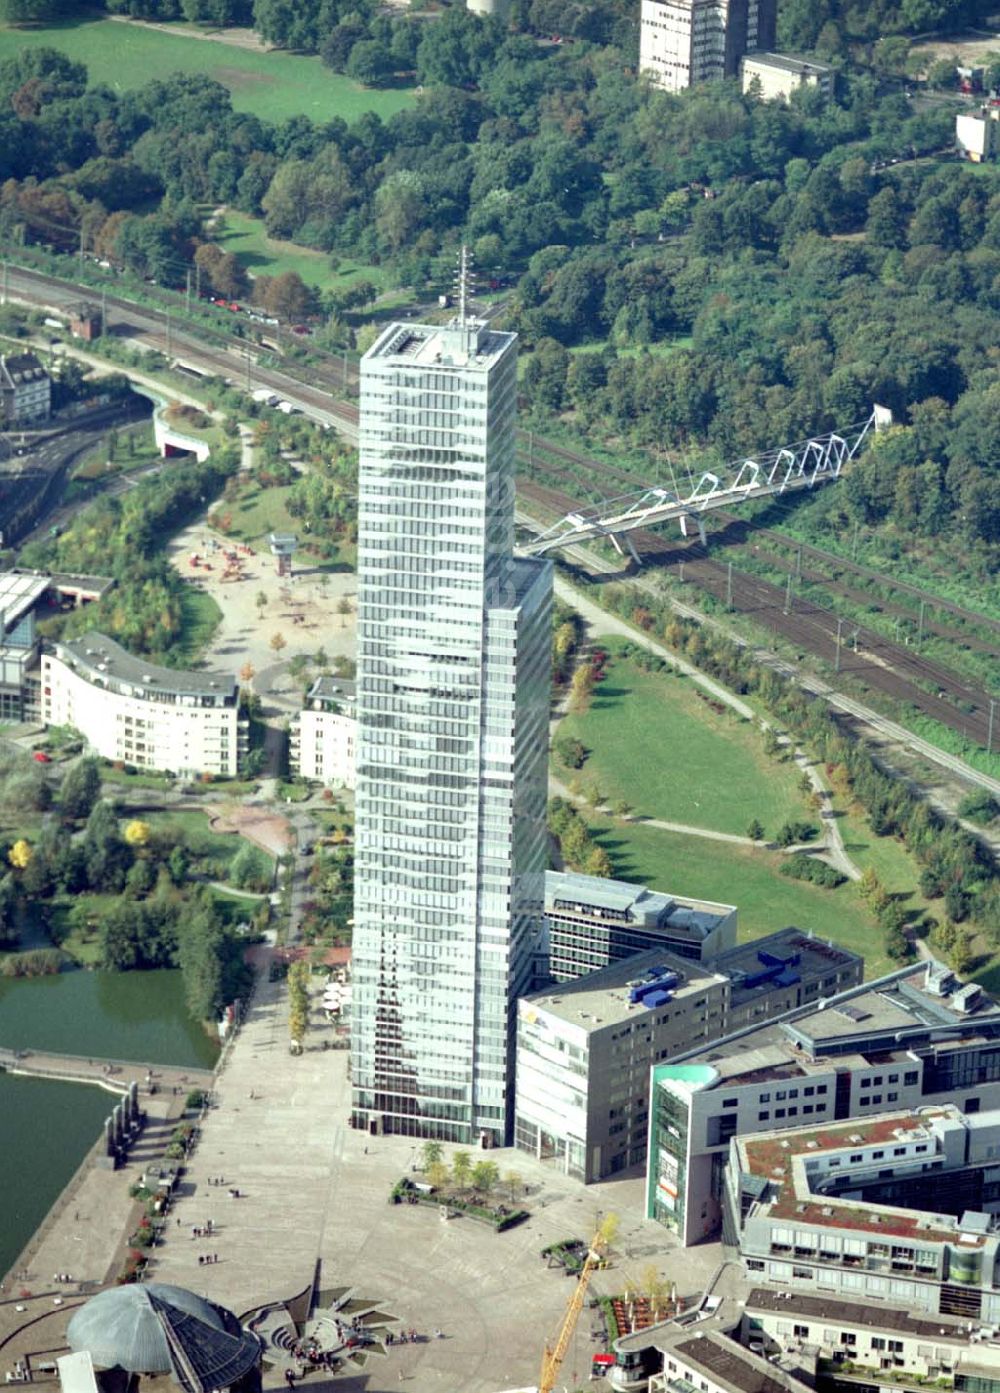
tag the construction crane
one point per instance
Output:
(555, 1353)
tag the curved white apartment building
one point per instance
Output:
(131, 710)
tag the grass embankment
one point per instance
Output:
(200, 617)
(134, 449)
(659, 743)
(898, 873)
(246, 238)
(273, 86)
(747, 877)
(255, 511)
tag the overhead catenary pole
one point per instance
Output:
(166, 316)
(989, 733)
(729, 586)
(788, 594)
(920, 624)
(836, 659)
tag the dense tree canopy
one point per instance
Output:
(745, 272)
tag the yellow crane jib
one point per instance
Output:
(555, 1353)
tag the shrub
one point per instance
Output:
(979, 806)
(802, 867)
(791, 832)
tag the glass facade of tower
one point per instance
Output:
(452, 707)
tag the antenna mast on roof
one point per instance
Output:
(465, 283)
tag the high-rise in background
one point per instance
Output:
(682, 42)
(452, 706)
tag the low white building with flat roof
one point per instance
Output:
(977, 134)
(128, 709)
(324, 734)
(778, 75)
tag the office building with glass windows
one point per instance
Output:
(899, 1208)
(452, 711)
(915, 1038)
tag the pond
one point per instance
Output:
(116, 1015)
(49, 1126)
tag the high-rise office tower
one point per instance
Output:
(452, 707)
(686, 41)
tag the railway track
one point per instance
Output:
(884, 666)
(880, 664)
(556, 461)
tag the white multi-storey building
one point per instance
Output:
(130, 710)
(452, 707)
(25, 389)
(686, 41)
(324, 732)
(585, 1047)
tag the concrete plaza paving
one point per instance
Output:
(313, 1190)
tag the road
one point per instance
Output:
(39, 470)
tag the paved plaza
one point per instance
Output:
(312, 1189)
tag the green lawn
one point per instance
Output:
(658, 350)
(213, 850)
(200, 617)
(81, 944)
(748, 878)
(256, 512)
(898, 872)
(657, 744)
(95, 464)
(892, 863)
(262, 255)
(274, 86)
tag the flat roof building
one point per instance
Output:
(778, 75)
(453, 687)
(593, 923)
(977, 134)
(585, 1047)
(695, 1352)
(859, 1340)
(682, 42)
(915, 1037)
(898, 1208)
(22, 595)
